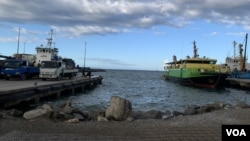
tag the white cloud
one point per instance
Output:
(80, 17)
(242, 34)
(106, 61)
(212, 34)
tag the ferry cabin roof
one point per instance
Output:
(195, 61)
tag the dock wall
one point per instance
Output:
(238, 83)
(35, 94)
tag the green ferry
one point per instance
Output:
(196, 71)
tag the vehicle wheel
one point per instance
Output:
(59, 78)
(70, 76)
(24, 77)
(6, 78)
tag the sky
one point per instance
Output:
(125, 34)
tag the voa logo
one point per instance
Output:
(236, 132)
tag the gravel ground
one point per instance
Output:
(205, 126)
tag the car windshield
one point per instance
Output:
(49, 64)
(12, 64)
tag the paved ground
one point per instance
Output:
(205, 127)
(15, 83)
(165, 134)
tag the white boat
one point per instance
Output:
(234, 63)
(47, 53)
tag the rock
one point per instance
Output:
(48, 107)
(65, 103)
(153, 114)
(93, 114)
(14, 113)
(218, 105)
(73, 120)
(61, 116)
(36, 113)
(228, 106)
(139, 115)
(67, 109)
(242, 104)
(85, 115)
(78, 116)
(167, 114)
(57, 115)
(101, 118)
(202, 109)
(210, 107)
(130, 119)
(120, 109)
(191, 110)
(177, 113)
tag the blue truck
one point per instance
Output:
(1, 66)
(19, 69)
(2, 62)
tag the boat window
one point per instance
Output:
(201, 62)
(212, 62)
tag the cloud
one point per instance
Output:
(113, 62)
(84, 17)
(212, 34)
(241, 34)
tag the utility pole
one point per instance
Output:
(18, 41)
(24, 44)
(84, 55)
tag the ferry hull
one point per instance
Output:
(214, 81)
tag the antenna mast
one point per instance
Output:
(50, 39)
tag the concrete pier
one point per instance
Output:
(16, 91)
(238, 83)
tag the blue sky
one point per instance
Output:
(131, 34)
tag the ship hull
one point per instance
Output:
(202, 82)
(197, 79)
(241, 75)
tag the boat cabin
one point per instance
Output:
(47, 53)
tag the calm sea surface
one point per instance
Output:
(146, 90)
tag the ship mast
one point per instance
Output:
(234, 44)
(195, 51)
(50, 39)
(244, 60)
(241, 57)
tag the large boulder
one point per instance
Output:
(120, 109)
(36, 113)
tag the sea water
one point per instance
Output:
(146, 90)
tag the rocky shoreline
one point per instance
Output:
(119, 110)
(120, 122)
